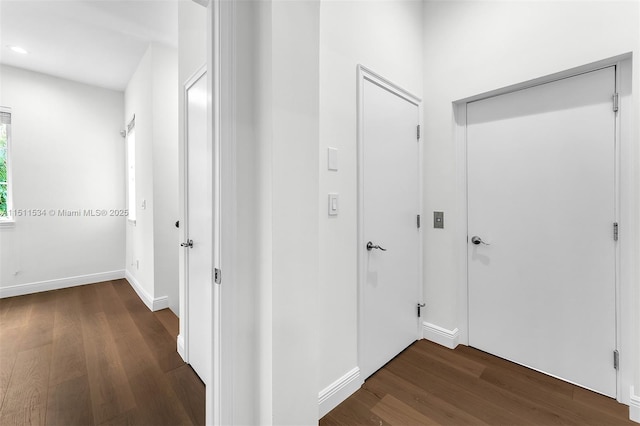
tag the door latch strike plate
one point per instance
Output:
(217, 275)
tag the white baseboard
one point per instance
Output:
(634, 407)
(37, 287)
(160, 303)
(338, 391)
(439, 335)
(180, 347)
(153, 304)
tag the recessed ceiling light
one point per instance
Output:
(18, 49)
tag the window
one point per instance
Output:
(131, 170)
(5, 166)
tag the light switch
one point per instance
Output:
(332, 158)
(333, 204)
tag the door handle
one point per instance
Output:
(477, 241)
(371, 246)
(188, 244)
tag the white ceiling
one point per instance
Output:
(98, 42)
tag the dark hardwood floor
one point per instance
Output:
(96, 355)
(428, 384)
(93, 355)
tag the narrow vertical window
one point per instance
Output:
(131, 170)
(5, 165)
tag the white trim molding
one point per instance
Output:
(160, 303)
(137, 287)
(180, 347)
(40, 286)
(440, 335)
(153, 304)
(338, 391)
(7, 223)
(221, 124)
(634, 406)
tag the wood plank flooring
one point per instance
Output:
(93, 355)
(428, 384)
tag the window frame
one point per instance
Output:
(9, 220)
(130, 149)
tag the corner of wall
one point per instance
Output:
(154, 304)
(331, 396)
(440, 335)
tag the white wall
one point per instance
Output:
(151, 243)
(67, 153)
(275, 353)
(252, 335)
(478, 46)
(165, 173)
(304, 336)
(386, 37)
(139, 244)
(295, 235)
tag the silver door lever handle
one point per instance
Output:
(477, 241)
(371, 246)
(188, 244)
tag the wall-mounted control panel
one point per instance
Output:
(438, 220)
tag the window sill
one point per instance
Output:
(7, 223)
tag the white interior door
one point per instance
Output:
(199, 222)
(390, 191)
(541, 192)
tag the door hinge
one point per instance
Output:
(217, 275)
(420, 306)
(615, 102)
(615, 231)
(616, 359)
(418, 132)
(418, 221)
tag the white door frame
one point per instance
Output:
(185, 200)
(365, 74)
(625, 197)
(220, 131)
